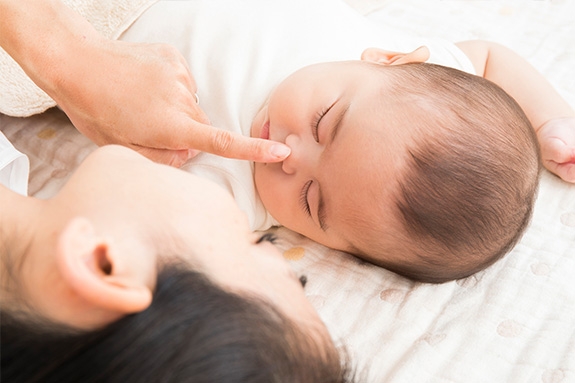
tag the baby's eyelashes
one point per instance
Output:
(303, 198)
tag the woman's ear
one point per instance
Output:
(95, 272)
(381, 56)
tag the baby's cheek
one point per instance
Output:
(267, 178)
(269, 192)
(263, 183)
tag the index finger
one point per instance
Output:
(223, 143)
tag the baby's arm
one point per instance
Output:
(550, 115)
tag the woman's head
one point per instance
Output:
(194, 331)
(92, 254)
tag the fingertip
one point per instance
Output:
(266, 151)
(279, 152)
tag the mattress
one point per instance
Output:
(513, 322)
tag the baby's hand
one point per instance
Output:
(557, 140)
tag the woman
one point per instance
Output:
(138, 272)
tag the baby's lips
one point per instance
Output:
(265, 132)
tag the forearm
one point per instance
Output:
(44, 37)
(536, 96)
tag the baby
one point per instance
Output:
(425, 170)
(421, 168)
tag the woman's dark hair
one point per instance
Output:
(194, 331)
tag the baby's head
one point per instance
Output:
(425, 170)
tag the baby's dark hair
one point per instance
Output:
(194, 331)
(469, 178)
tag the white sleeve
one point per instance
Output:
(446, 53)
(14, 167)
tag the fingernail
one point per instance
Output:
(280, 151)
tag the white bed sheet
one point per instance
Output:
(514, 322)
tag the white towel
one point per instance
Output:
(20, 97)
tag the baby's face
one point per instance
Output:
(345, 153)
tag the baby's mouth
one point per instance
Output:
(265, 132)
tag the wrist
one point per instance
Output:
(45, 37)
(66, 65)
(70, 53)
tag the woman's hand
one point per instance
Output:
(136, 95)
(143, 96)
(557, 140)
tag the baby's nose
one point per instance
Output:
(288, 166)
(295, 160)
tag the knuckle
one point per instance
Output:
(169, 54)
(222, 142)
(196, 113)
(168, 50)
(257, 149)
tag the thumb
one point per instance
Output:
(565, 171)
(556, 150)
(175, 158)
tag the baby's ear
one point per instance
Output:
(381, 56)
(95, 272)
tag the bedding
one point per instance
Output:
(513, 322)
